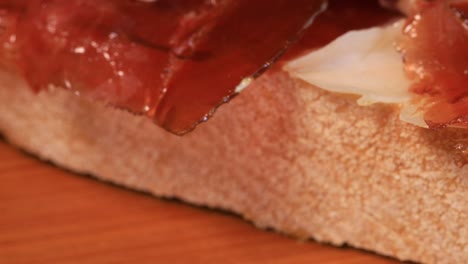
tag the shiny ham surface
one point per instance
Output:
(176, 61)
(435, 52)
(172, 60)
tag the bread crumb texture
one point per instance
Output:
(283, 154)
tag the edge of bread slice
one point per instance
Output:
(283, 154)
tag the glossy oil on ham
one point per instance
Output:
(172, 60)
(176, 61)
(435, 50)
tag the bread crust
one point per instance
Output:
(283, 154)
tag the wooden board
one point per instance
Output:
(48, 215)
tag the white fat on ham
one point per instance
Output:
(361, 62)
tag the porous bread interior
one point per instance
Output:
(282, 154)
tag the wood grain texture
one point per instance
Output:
(48, 215)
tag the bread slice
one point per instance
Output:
(283, 154)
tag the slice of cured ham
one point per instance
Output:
(435, 51)
(172, 60)
(176, 61)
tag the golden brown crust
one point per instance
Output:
(282, 154)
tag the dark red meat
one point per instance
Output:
(172, 60)
(176, 61)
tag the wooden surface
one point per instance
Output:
(48, 215)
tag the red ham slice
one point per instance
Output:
(435, 50)
(172, 60)
(176, 61)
